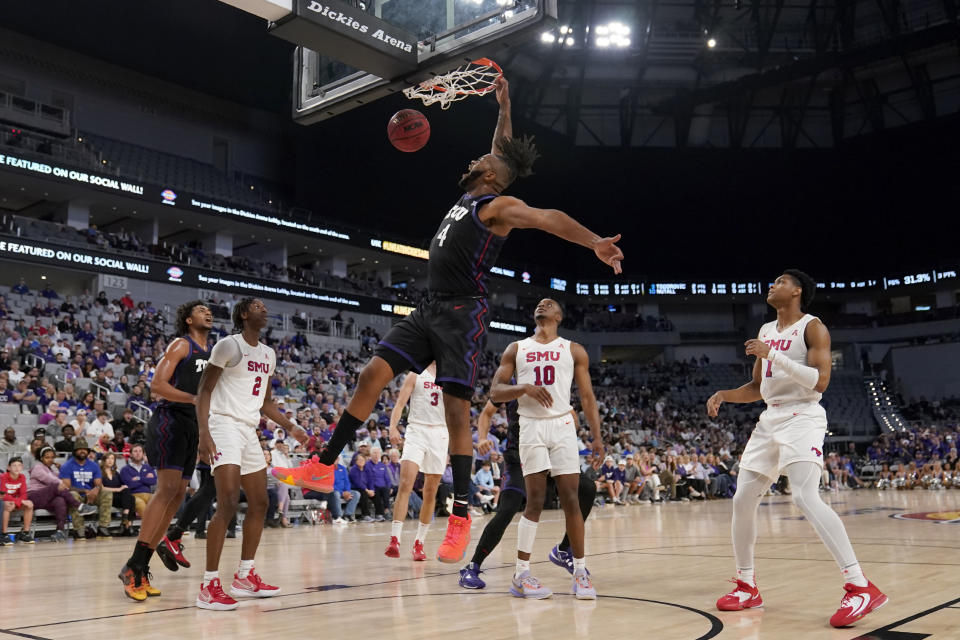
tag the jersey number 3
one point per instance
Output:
(256, 385)
(434, 399)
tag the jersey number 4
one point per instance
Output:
(256, 385)
(443, 234)
(545, 377)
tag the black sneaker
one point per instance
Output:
(58, 536)
(200, 535)
(231, 533)
(103, 532)
(5, 541)
(90, 533)
(167, 557)
(77, 536)
(26, 537)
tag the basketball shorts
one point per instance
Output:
(511, 478)
(452, 332)
(172, 440)
(549, 443)
(783, 435)
(426, 447)
(237, 443)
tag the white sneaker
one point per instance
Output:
(486, 499)
(337, 521)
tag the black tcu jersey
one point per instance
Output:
(450, 326)
(172, 434)
(463, 250)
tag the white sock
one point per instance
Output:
(422, 531)
(396, 529)
(579, 564)
(746, 575)
(209, 576)
(522, 565)
(854, 575)
(246, 566)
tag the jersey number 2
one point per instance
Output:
(548, 376)
(256, 386)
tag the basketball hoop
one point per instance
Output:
(474, 79)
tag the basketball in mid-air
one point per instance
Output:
(408, 130)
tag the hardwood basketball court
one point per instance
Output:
(658, 570)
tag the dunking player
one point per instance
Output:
(172, 437)
(450, 326)
(513, 495)
(234, 391)
(546, 366)
(791, 372)
(424, 448)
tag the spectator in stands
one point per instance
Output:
(60, 349)
(359, 480)
(84, 481)
(6, 393)
(80, 423)
(49, 293)
(100, 426)
(50, 414)
(20, 287)
(10, 446)
(609, 480)
(632, 481)
(118, 496)
(15, 375)
(30, 457)
(140, 477)
(47, 491)
(487, 492)
(67, 434)
(13, 486)
(126, 301)
(26, 396)
(380, 481)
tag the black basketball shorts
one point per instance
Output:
(451, 331)
(173, 438)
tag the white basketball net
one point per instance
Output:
(475, 78)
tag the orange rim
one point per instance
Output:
(480, 62)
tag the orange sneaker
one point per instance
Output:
(311, 475)
(132, 583)
(145, 581)
(454, 545)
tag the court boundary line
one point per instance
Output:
(893, 625)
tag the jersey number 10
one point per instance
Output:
(545, 378)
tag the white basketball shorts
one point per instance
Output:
(237, 443)
(785, 434)
(549, 443)
(426, 447)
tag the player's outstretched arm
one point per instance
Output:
(177, 351)
(272, 411)
(749, 392)
(581, 375)
(504, 125)
(406, 390)
(506, 213)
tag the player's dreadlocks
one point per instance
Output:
(183, 312)
(238, 310)
(518, 154)
(806, 283)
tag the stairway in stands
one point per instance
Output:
(886, 410)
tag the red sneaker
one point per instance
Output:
(418, 554)
(857, 602)
(454, 545)
(252, 587)
(311, 475)
(212, 597)
(743, 597)
(393, 549)
(171, 553)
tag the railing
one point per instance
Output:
(141, 412)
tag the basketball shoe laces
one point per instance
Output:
(583, 580)
(454, 531)
(216, 590)
(848, 599)
(531, 582)
(736, 592)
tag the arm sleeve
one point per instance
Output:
(805, 375)
(226, 353)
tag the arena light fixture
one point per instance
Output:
(712, 42)
(547, 37)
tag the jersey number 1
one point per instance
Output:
(769, 369)
(256, 386)
(548, 377)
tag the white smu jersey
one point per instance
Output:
(246, 375)
(545, 365)
(776, 387)
(426, 402)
